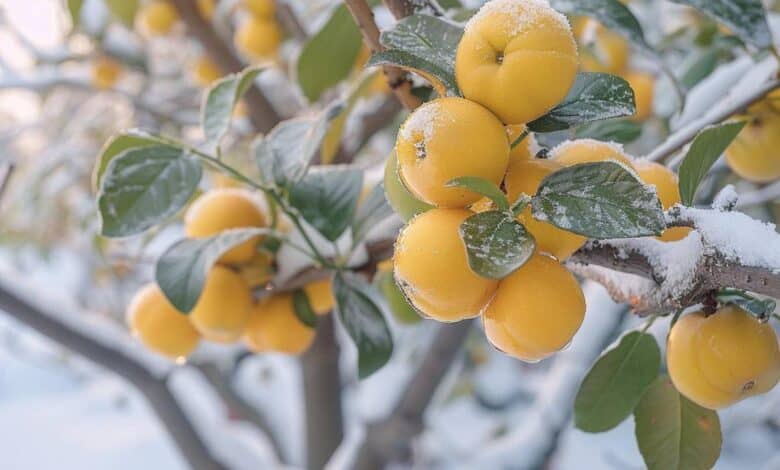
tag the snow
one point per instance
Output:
(726, 198)
(524, 15)
(423, 121)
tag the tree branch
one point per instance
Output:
(262, 114)
(371, 124)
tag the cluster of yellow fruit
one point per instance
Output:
(754, 153)
(516, 60)
(719, 359)
(226, 311)
(258, 37)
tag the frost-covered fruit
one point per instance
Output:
(320, 295)
(274, 327)
(157, 18)
(536, 310)
(159, 326)
(431, 267)
(206, 8)
(401, 200)
(526, 149)
(754, 155)
(105, 73)
(517, 58)
(396, 301)
(643, 85)
(666, 186)
(449, 138)
(720, 359)
(261, 8)
(222, 311)
(258, 38)
(573, 152)
(604, 51)
(222, 209)
(205, 71)
(524, 177)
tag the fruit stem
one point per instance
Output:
(649, 323)
(520, 138)
(710, 303)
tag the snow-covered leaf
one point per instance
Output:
(762, 309)
(181, 271)
(698, 66)
(610, 13)
(118, 144)
(747, 18)
(220, 99)
(123, 10)
(599, 200)
(483, 187)
(411, 62)
(303, 309)
(621, 130)
(496, 244)
(329, 56)
(327, 197)
(615, 383)
(593, 97)
(706, 148)
(363, 320)
(285, 153)
(143, 186)
(674, 433)
(372, 210)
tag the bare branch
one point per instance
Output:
(371, 124)
(289, 21)
(768, 193)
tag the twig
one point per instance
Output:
(766, 194)
(5, 179)
(289, 21)
(370, 125)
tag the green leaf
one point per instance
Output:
(616, 382)
(621, 130)
(74, 10)
(327, 197)
(762, 309)
(706, 148)
(747, 18)
(599, 200)
(401, 309)
(118, 144)
(403, 202)
(285, 153)
(411, 62)
(364, 322)
(221, 98)
(593, 97)
(674, 433)
(124, 10)
(483, 187)
(698, 66)
(371, 211)
(143, 186)
(181, 271)
(610, 13)
(329, 56)
(496, 244)
(303, 309)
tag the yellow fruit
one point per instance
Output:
(604, 51)
(320, 295)
(666, 186)
(525, 177)
(261, 8)
(517, 58)
(431, 267)
(573, 152)
(222, 311)
(205, 72)
(222, 209)
(206, 8)
(158, 324)
(643, 85)
(445, 139)
(258, 38)
(106, 72)
(258, 271)
(718, 360)
(754, 153)
(536, 310)
(527, 147)
(274, 327)
(401, 200)
(157, 18)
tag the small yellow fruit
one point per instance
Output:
(573, 152)
(666, 186)
(274, 327)
(401, 200)
(205, 72)
(604, 51)
(754, 153)
(159, 325)
(525, 177)
(720, 359)
(431, 267)
(222, 209)
(643, 85)
(222, 311)
(320, 295)
(106, 72)
(261, 8)
(517, 58)
(258, 38)
(206, 8)
(536, 310)
(445, 139)
(527, 147)
(157, 18)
